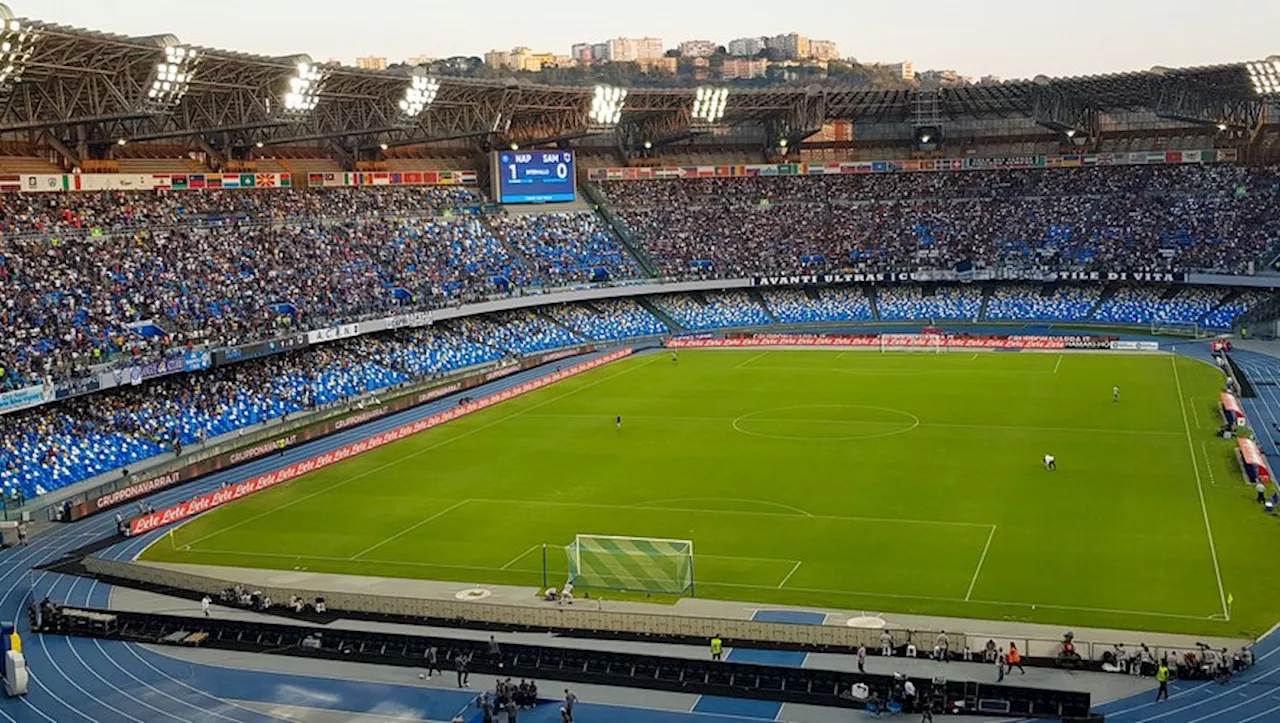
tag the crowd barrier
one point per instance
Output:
(545, 616)
(197, 505)
(583, 619)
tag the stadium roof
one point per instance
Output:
(86, 87)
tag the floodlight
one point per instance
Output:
(303, 88)
(121, 142)
(1071, 133)
(259, 144)
(648, 145)
(782, 142)
(709, 104)
(16, 45)
(1264, 75)
(1222, 126)
(172, 77)
(383, 146)
(515, 146)
(420, 93)
(606, 105)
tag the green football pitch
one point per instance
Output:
(881, 482)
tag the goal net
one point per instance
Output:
(646, 564)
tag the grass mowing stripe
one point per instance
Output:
(409, 529)
(1204, 510)
(914, 510)
(856, 422)
(411, 455)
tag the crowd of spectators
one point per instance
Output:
(110, 211)
(713, 310)
(567, 248)
(608, 319)
(1210, 217)
(792, 306)
(297, 260)
(515, 332)
(48, 447)
(1020, 302)
(1159, 305)
(912, 303)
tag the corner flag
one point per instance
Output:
(1231, 599)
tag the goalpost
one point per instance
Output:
(641, 564)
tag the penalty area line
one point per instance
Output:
(519, 557)
(981, 560)
(789, 574)
(744, 364)
(1057, 364)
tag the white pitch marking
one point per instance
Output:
(1204, 510)
(744, 364)
(415, 453)
(519, 557)
(1057, 364)
(981, 560)
(789, 574)
(411, 528)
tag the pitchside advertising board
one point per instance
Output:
(534, 177)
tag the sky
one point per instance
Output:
(1007, 38)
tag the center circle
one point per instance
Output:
(826, 422)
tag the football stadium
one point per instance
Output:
(738, 382)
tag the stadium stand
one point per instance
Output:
(1020, 302)
(1222, 317)
(1158, 305)
(914, 303)
(792, 306)
(714, 310)
(608, 320)
(49, 447)
(516, 332)
(1217, 218)
(566, 248)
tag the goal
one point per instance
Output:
(643, 564)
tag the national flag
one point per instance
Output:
(265, 180)
(412, 178)
(230, 180)
(246, 180)
(213, 180)
(196, 181)
(71, 181)
(286, 181)
(178, 183)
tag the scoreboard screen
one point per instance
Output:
(534, 177)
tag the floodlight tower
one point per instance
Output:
(300, 90)
(419, 94)
(170, 78)
(709, 106)
(17, 42)
(606, 107)
(1264, 76)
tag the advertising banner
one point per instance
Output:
(900, 341)
(23, 399)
